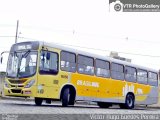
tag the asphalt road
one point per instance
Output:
(9, 106)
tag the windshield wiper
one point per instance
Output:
(25, 54)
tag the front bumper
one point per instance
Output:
(19, 92)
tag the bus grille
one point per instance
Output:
(17, 85)
(16, 91)
(17, 81)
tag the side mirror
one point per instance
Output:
(48, 56)
(1, 58)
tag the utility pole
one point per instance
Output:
(16, 37)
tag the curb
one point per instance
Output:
(156, 106)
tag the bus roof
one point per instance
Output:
(107, 58)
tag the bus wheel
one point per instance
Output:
(72, 100)
(72, 97)
(38, 101)
(65, 97)
(129, 103)
(103, 104)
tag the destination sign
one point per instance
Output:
(25, 46)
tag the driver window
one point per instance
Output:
(48, 62)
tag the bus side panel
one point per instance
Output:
(51, 85)
(148, 95)
(141, 92)
(83, 84)
(95, 88)
(110, 90)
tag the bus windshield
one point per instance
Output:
(22, 64)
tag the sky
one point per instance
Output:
(85, 23)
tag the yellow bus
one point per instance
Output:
(51, 72)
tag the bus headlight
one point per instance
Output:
(30, 83)
(6, 84)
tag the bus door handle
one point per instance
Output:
(43, 84)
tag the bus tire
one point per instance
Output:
(38, 101)
(129, 102)
(65, 97)
(72, 97)
(103, 104)
(72, 101)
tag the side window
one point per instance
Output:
(130, 74)
(48, 62)
(142, 76)
(85, 65)
(68, 61)
(152, 78)
(117, 71)
(102, 68)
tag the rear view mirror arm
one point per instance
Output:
(1, 56)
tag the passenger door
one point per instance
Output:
(48, 75)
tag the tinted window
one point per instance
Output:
(68, 61)
(152, 78)
(142, 76)
(85, 65)
(102, 68)
(130, 74)
(117, 71)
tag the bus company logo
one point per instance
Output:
(87, 83)
(116, 6)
